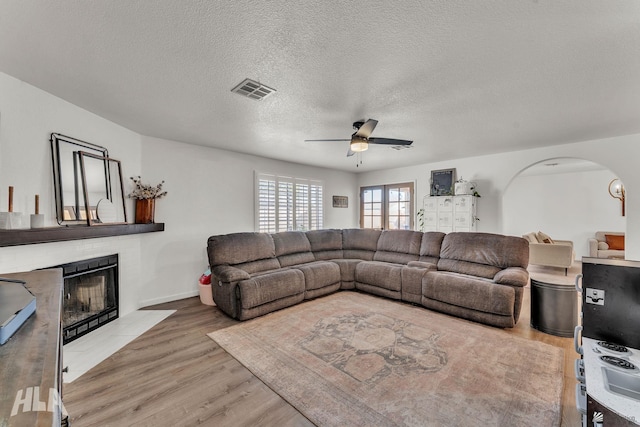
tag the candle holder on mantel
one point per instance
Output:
(146, 196)
(37, 219)
(13, 220)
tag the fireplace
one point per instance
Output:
(90, 295)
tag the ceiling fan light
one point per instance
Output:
(358, 146)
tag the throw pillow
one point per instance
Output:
(544, 238)
(531, 237)
(615, 242)
(602, 246)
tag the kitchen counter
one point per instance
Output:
(624, 406)
(30, 361)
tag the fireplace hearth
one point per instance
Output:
(90, 295)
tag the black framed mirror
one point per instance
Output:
(104, 200)
(79, 189)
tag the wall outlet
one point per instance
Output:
(595, 296)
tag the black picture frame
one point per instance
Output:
(108, 192)
(340, 201)
(442, 182)
(67, 179)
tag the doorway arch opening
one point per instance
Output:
(566, 198)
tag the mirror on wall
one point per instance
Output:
(87, 183)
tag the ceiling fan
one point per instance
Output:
(361, 139)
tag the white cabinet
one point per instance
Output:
(450, 213)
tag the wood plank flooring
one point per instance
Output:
(174, 375)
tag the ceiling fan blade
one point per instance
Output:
(350, 153)
(389, 141)
(321, 140)
(366, 129)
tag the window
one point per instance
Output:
(387, 207)
(287, 203)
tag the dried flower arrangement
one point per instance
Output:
(144, 191)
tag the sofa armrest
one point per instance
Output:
(229, 274)
(593, 248)
(513, 276)
(422, 264)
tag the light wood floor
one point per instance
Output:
(174, 375)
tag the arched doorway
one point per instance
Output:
(566, 198)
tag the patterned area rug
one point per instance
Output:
(355, 359)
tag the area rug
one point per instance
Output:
(358, 360)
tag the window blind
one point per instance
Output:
(287, 203)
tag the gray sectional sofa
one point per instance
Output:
(476, 276)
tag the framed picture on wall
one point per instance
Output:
(442, 182)
(340, 201)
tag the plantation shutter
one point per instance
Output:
(287, 203)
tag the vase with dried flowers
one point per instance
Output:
(145, 196)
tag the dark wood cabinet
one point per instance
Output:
(31, 360)
(609, 418)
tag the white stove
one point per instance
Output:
(612, 349)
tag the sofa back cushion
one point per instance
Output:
(251, 252)
(292, 247)
(600, 235)
(482, 254)
(430, 246)
(398, 246)
(360, 243)
(325, 244)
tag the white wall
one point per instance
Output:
(566, 206)
(494, 173)
(211, 192)
(27, 118)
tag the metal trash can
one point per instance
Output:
(554, 308)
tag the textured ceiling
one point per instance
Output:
(459, 78)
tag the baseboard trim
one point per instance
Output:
(169, 298)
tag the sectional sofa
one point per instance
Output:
(476, 276)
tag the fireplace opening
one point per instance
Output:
(90, 295)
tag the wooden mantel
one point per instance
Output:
(74, 232)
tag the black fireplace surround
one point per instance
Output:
(90, 295)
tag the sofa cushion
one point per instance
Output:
(238, 248)
(602, 246)
(325, 244)
(615, 242)
(468, 291)
(270, 287)
(319, 274)
(430, 246)
(398, 246)
(360, 243)
(347, 271)
(412, 275)
(379, 274)
(482, 254)
(600, 235)
(544, 238)
(292, 248)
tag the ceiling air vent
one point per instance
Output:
(252, 89)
